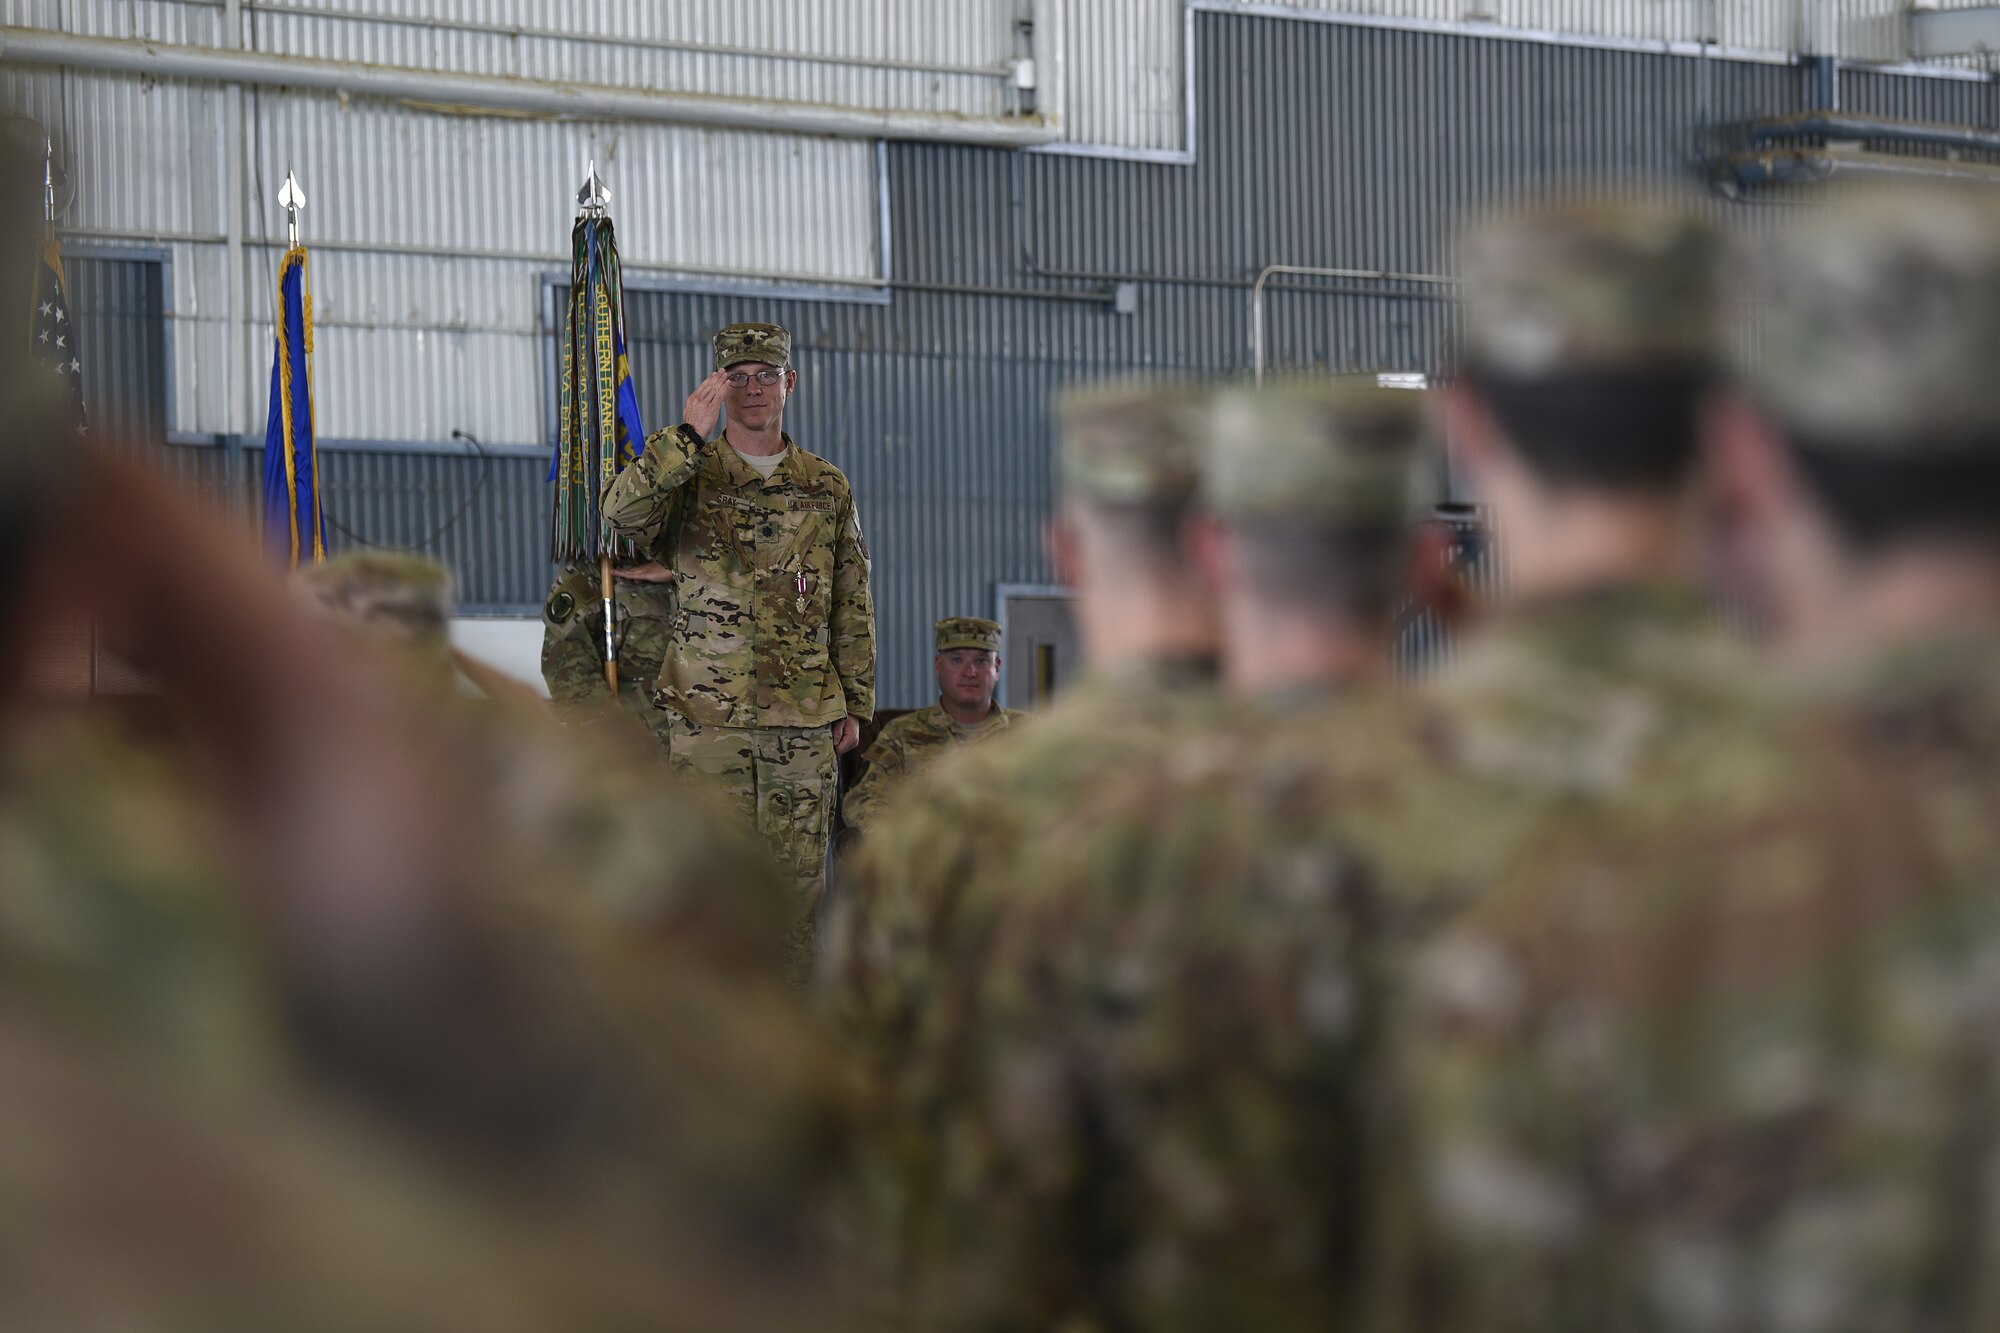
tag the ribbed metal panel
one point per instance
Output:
(481, 517)
(1127, 77)
(119, 308)
(376, 173)
(486, 203)
(1942, 101)
(1127, 86)
(1872, 30)
(1757, 24)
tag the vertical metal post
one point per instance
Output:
(1050, 50)
(239, 407)
(1825, 49)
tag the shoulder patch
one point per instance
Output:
(560, 606)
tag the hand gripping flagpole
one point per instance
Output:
(593, 202)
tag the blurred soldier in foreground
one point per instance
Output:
(662, 866)
(771, 664)
(967, 667)
(919, 965)
(1725, 1057)
(1161, 1051)
(572, 640)
(1589, 336)
(272, 1057)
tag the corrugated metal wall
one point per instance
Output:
(1321, 144)
(118, 306)
(1857, 29)
(1128, 71)
(431, 231)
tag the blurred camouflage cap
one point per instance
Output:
(967, 632)
(767, 343)
(1878, 320)
(1590, 286)
(1135, 442)
(1337, 450)
(401, 597)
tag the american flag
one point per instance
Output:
(54, 340)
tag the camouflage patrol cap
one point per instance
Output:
(1878, 323)
(1337, 450)
(767, 343)
(401, 597)
(1590, 287)
(1134, 442)
(967, 632)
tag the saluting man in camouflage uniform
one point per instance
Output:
(967, 666)
(1726, 1059)
(573, 627)
(770, 666)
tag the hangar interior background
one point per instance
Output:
(958, 208)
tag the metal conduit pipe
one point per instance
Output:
(1269, 271)
(473, 27)
(39, 46)
(1810, 166)
(1027, 261)
(1833, 125)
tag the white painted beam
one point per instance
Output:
(577, 101)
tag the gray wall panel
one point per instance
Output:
(118, 306)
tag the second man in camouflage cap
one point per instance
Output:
(967, 667)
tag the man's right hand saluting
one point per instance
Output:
(704, 406)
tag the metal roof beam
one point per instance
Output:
(575, 101)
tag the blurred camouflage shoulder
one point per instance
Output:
(121, 904)
(980, 806)
(1118, 1063)
(1573, 695)
(1711, 1051)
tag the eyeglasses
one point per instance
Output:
(739, 379)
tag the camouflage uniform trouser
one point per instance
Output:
(782, 781)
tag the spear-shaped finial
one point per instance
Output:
(293, 199)
(595, 196)
(49, 179)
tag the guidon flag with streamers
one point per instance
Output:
(601, 430)
(52, 342)
(292, 526)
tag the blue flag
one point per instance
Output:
(292, 527)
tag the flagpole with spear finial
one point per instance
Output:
(593, 201)
(600, 430)
(292, 199)
(293, 524)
